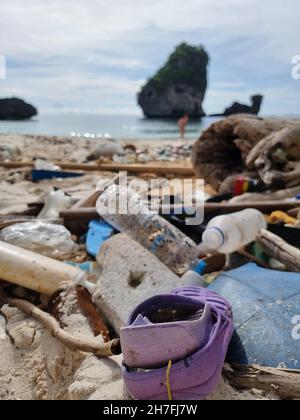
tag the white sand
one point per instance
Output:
(37, 367)
(33, 365)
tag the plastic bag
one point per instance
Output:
(8, 152)
(45, 165)
(53, 241)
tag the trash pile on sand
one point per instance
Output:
(102, 303)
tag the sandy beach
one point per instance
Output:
(149, 202)
(33, 365)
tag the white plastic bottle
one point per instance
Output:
(55, 202)
(230, 232)
(160, 237)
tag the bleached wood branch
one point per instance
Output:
(85, 344)
(277, 248)
(283, 382)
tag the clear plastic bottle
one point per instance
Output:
(169, 244)
(230, 232)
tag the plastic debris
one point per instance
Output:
(35, 271)
(53, 241)
(264, 304)
(40, 175)
(8, 152)
(55, 202)
(282, 217)
(228, 233)
(45, 165)
(191, 328)
(106, 148)
(169, 244)
(194, 277)
(98, 233)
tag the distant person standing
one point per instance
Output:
(182, 123)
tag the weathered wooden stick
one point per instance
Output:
(113, 167)
(88, 213)
(279, 195)
(92, 198)
(265, 207)
(85, 344)
(284, 383)
(277, 248)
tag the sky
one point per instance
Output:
(94, 55)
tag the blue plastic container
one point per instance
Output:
(265, 306)
(98, 233)
(40, 175)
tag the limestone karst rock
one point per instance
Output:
(179, 87)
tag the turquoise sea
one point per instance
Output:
(92, 125)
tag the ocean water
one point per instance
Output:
(91, 125)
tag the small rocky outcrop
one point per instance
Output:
(237, 108)
(179, 87)
(16, 109)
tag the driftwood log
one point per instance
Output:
(274, 196)
(277, 248)
(283, 382)
(266, 149)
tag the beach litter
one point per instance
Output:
(97, 235)
(84, 344)
(50, 240)
(264, 303)
(9, 152)
(160, 237)
(45, 165)
(54, 203)
(276, 247)
(185, 369)
(228, 233)
(66, 317)
(35, 271)
(40, 175)
(106, 148)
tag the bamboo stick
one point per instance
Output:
(113, 167)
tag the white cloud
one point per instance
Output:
(110, 47)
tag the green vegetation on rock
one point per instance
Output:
(179, 87)
(186, 65)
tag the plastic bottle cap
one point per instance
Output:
(200, 267)
(213, 238)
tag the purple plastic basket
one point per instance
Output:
(197, 375)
